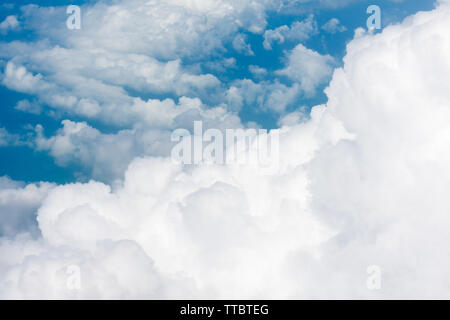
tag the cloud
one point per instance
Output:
(140, 72)
(126, 52)
(164, 30)
(92, 98)
(293, 118)
(128, 56)
(28, 106)
(298, 31)
(19, 79)
(302, 6)
(105, 157)
(10, 23)
(257, 71)
(11, 139)
(240, 45)
(333, 26)
(263, 96)
(18, 206)
(304, 71)
(307, 67)
(100, 93)
(363, 182)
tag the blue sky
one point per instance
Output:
(26, 163)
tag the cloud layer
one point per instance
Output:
(363, 182)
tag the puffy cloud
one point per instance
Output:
(198, 224)
(106, 156)
(103, 97)
(105, 272)
(264, 95)
(19, 79)
(298, 31)
(28, 106)
(257, 71)
(10, 23)
(307, 67)
(92, 98)
(293, 118)
(18, 206)
(240, 45)
(334, 26)
(126, 52)
(385, 190)
(11, 139)
(301, 6)
(143, 73)
(164, 30)
(363, 182)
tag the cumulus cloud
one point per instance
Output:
(105, 157)
(300, 6)
(125, 52)
(92, 98)
(12, 139)
(18, 206)
(304, 69)
(140, 72)
(240, 45)
(307, 67)
(162, 29)
(363, 182)
(257, 71)
(28, 106)
(102, 96)
(133, 50)
(10, 23)
(263, 96)
(298, 31)
(333, 26)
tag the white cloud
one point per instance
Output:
(307, 67)
(127, 46)
(298, 31)
(28, 106)
(97, 92)
(257, 71)
(10, 23)
(302, 6)
(162, 29)
(105, 157)
(293, 118)
(133, 50)
(264, 95)
(11, 139)
(304, 69)
(140, 72)
(19, 79)
(334, 26)
(18, 206)
(240, 45)
(92, 98)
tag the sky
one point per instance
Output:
(16, 159)
(86, 174)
